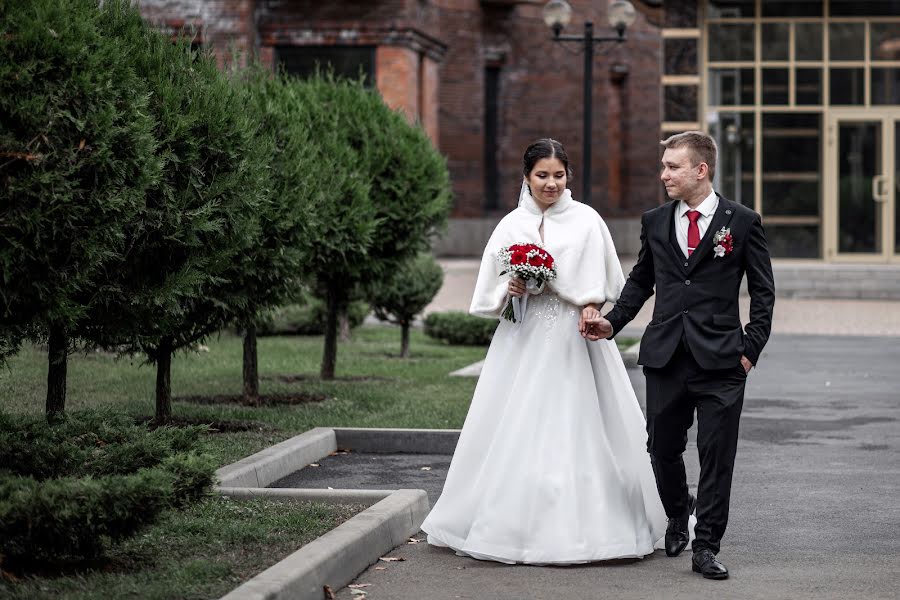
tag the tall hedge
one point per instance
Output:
(77, 156)
(404, 194)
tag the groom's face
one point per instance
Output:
(682, 178)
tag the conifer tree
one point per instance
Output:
(406, 195)
(180, 279)
(77, 154)
(405, 294)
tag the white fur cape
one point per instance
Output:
(587, 267)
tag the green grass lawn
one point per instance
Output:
(377, 390)
(210, 548)
(398, 393)
(204, 551)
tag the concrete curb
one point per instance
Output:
(273, 463)
(367, 497)
(473, 370)
(335, 558)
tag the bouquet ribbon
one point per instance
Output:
(519, 304)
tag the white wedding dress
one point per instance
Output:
(551, 465)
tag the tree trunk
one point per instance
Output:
(329, 355)
(251, 365)
(404, 339)
(164, 381)
(344, 321)
(56, 372)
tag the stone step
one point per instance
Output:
(847, 281)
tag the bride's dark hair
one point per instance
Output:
(544, 148)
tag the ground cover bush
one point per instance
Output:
(67, 491)
(459, 328)
(203, 551)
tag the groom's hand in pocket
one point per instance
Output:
(745, 362)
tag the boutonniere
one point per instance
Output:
(723, 243)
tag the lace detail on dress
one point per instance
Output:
(547, 308)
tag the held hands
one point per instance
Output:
(592, 325)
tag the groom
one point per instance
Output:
(695, 250)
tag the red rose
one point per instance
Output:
(517, 258)
(548, 262)
(536, 261)
(516, 248)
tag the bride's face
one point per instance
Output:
(547, 181)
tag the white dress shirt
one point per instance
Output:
(707, 208)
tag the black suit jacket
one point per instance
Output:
(697, 297)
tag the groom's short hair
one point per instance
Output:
(703, 147)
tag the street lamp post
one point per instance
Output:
(558, 14)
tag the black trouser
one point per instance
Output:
(673, 392)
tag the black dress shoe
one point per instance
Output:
(677, 535)
(706, 563)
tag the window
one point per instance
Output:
(344, 61)
(491, 110)
(773, 73)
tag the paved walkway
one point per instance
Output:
(792, 315)
(815, 510)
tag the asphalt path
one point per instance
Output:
(815, 509)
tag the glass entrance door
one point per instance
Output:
(863, 179)
(893, 188)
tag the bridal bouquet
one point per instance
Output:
(531, 263)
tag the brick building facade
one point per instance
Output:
(789, 89)
(484, 79)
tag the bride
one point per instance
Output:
(551, 465)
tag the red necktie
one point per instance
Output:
(693, 231)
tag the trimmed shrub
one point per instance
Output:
(459, 328)
(193, 476)
(66, 491)
(77, 516)
(87, 443)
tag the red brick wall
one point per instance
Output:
(541, 95)
(429, 82)
(540, 81)
(397, 78)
